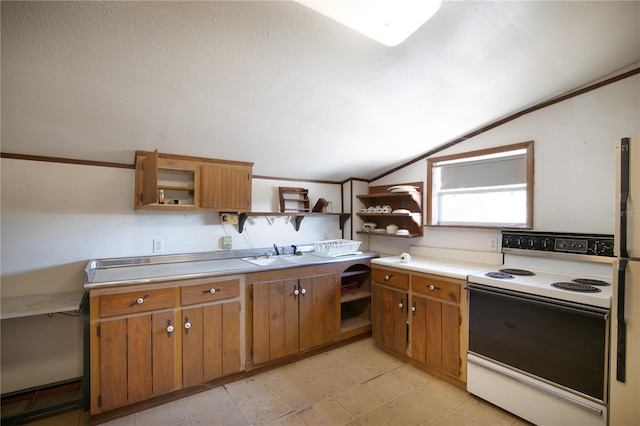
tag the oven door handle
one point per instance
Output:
(592, 312)
(537, 387)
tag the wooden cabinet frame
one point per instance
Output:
(291, 311)
(139, 347)
(423, 319)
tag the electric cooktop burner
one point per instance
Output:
(590, 281)
(574, 286)
(514, 271)
(499, 275)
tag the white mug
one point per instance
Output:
(405, 258)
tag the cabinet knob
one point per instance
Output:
(187, 325)
(169, 328)
(139, 301)
(211, 290)
(433, 287)
(296, 291)
(388, 277)
(413, 308)
(400, 305)
(303, 291)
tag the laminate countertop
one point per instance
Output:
(444, 262)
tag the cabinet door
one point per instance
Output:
(451, 357)
(418, 329)
(275, 319)
(149, 175)
(137, 358)
(211, 342)
(226, 188)
(435, 335)
(318, 305)
(390, 318)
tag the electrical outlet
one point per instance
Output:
(493, 244)
(158, 245)
(226, 242)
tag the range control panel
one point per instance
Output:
(558, 242)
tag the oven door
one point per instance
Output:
(561, 343)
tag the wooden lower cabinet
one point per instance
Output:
(435, 335)
(137, 359)
(390, 318)
(211, 344)
(152, 339)
(293, 310)
(422, 317)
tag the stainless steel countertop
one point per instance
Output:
(147, 269)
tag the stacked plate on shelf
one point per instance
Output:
(403, 188)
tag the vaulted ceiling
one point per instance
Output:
(282, 86)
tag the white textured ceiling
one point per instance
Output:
(279, 85)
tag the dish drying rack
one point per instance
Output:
(334, 248)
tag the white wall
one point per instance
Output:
(574, 166)
(55, 217)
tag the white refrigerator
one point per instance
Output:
(624, 371)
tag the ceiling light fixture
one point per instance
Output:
(389, 22)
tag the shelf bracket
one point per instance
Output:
(242, 218)
(343, 219)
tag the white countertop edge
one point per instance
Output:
(437, 266)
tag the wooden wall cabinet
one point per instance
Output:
(191, 183)
(148, 340)
(422, 317)
(293, 310)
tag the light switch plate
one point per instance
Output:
(226, 242)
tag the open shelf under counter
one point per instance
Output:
(359, 294)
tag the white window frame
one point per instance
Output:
(435, 194)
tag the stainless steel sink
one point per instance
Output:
(283, 259)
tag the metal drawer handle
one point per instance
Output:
(211, 290)
(433, 287)
(139, 301)
(388, 277)
(169, 328)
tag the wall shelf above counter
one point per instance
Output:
(297, 217)
(404, 209)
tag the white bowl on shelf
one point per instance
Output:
(402, 232)
(392, 229)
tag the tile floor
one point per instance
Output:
(356, 384)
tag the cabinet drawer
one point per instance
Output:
(210, 292)
(136, 301)
(435, 287)
(391, 278)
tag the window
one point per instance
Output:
(488, 188)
